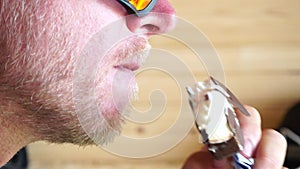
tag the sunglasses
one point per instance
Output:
(138, 7)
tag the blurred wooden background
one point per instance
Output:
(259, 47)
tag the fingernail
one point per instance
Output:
(248, 148)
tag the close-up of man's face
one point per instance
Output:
(116, 82)
(41, 42)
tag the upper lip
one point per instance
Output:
(134, 59)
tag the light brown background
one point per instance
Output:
(259, 46)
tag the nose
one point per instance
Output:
(161, 20)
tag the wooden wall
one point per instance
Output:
(258, 43)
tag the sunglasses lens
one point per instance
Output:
(140, 4)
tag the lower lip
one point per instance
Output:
(122, 86)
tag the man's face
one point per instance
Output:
(41, 42)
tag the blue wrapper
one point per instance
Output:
(241, 162)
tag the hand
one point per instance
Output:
(268, 147)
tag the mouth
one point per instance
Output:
(128, 66)
(134, 59)
(124, 85)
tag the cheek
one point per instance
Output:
(50, 40)
(93, 13)
(66, 31)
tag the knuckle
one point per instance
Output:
(276, 136)
(270, 162)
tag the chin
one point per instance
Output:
(98, 117)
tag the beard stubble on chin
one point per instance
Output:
(37, 66)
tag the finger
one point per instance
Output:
(271, 150)
(198, 160)
(215, 163)
(204, 160)
(251, 128)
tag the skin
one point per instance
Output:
(39, 45)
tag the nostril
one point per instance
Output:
(150, 28)
(153, 23)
